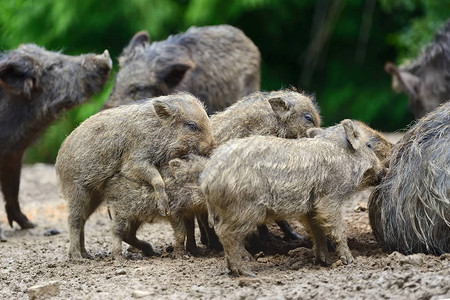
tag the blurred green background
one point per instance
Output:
(334, 49)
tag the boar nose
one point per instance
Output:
(105, 56)
(208, 148)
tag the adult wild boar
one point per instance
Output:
(35, 86)
(249, 181)
(410, 210)
(133, 140)
(217, 64)
(426, 80)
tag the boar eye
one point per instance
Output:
(369, 145)
(55, 65)
(193, 126)
(308, 117)
(139, 90)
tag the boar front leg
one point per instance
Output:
(320, 247)
(10, 168)
(328, 216)
(144, 170)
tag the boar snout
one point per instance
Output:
(206, 148)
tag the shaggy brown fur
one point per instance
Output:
(410, 210)
(217, 64)
(36, 85)
(250, 181)
(133, 140)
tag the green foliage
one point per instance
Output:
(335, 49)
(417, 31)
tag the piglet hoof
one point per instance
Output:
(2, 236)
(148, 251)
(20, 218)
(75, 256)
(241, 271)
(292, 236)
(322, 259)
(347, 258)
(215, 246)
(195, 251)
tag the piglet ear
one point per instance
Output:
(163, 109)
(17, 77)
(352, 134)
(281, 107)
(312, 132)
(174, 74)
(141, 38)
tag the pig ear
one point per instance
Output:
(174, 74)
(352, 134)
(163, 109)
(281, 107)
(403, 80)
(17, 77)
(141, 38)
(312, 132)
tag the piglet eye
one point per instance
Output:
(308, 118)
(192, 125)
(369, 145)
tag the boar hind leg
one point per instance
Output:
(289, 233)
(80, 208)
(131, 239)
(329, 217)
(77, 249)
(2, 236)
(179, 234)
(201, 226)
(191, 246)
(232, 235)
(212, 240)
(10, 168)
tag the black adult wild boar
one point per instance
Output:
(426, 80)
(217, 64)
(249, 181)
(36, 85)
(410, 210)
(133, 140)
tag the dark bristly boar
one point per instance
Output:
(426, 80)
(133, 140)
(410, 210)
(217, 64)
(133, 203)
(35, 86)
(284, 113)
(250, 181)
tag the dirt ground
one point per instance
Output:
(285, 270)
